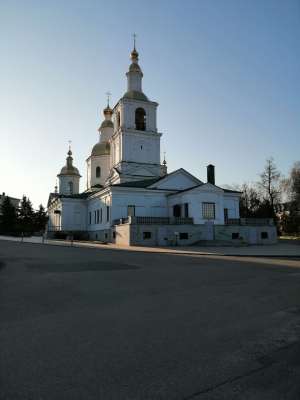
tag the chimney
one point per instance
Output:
(211, 174)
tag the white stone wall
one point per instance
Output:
(73, 215)
(171, 235)
(146, 203)
(106, 133)
(54, 221)
(130, 145)
(195, 198)
(92, 163)
(98, 205)
(64, 187)
(128, 114)
(141, 147)
(177, 181)
(134, 81)
(247, 234)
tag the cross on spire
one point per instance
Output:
(134, 35)
(108, 94)
(164, 162)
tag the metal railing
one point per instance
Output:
(250, 221)
(232, 221)
(154, 221)
(257, 221)
(54, 228)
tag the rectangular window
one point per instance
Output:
(183, 235)
(90, 217)
(264, 235)
(107, 213)
(226, 215)
(186, 210)
(235, 235)
(208, 210)
(98, 216)
(130, 211)
(101, 215)
(146, 235)
(95, 217)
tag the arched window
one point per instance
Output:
(98, 172)
(118, 119)
(71, 187)
(140, 119)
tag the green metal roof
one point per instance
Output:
(138, 184)
(101, 149)
(135, 95)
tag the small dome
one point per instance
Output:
(107, 124)
(135, 95)
(101, 149)
(69, 170)
(107, 111)
(134, 55)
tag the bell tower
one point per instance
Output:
(135, 144)
(69, 177)
(98, 163)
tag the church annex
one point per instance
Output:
(132, 199)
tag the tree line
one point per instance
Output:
(23, 219)
(274, 196)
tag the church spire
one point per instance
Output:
(134, 55)
(70, 158)
(135, 74)
(106, 128)
(108, 111)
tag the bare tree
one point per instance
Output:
(249, 201)
(292, 208)
(270, 185)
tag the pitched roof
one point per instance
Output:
(138, 184)
(146, 183)
(201, 184)
(83, 195)
(231, 191)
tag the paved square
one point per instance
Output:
(80, 323)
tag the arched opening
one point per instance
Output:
(140, 119)
(98, 172)
(118, 119)
(71, 187)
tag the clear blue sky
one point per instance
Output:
(225, 73)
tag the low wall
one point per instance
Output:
(248, 234)
(184, 235)
(103, 235)
(166, 235)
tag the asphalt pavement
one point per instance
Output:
(95, 323)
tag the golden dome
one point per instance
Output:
(101, 149)
(106, 124)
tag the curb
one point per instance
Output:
(169, 251)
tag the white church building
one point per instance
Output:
(131, 198)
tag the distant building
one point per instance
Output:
(15, 202)
(131, 198)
